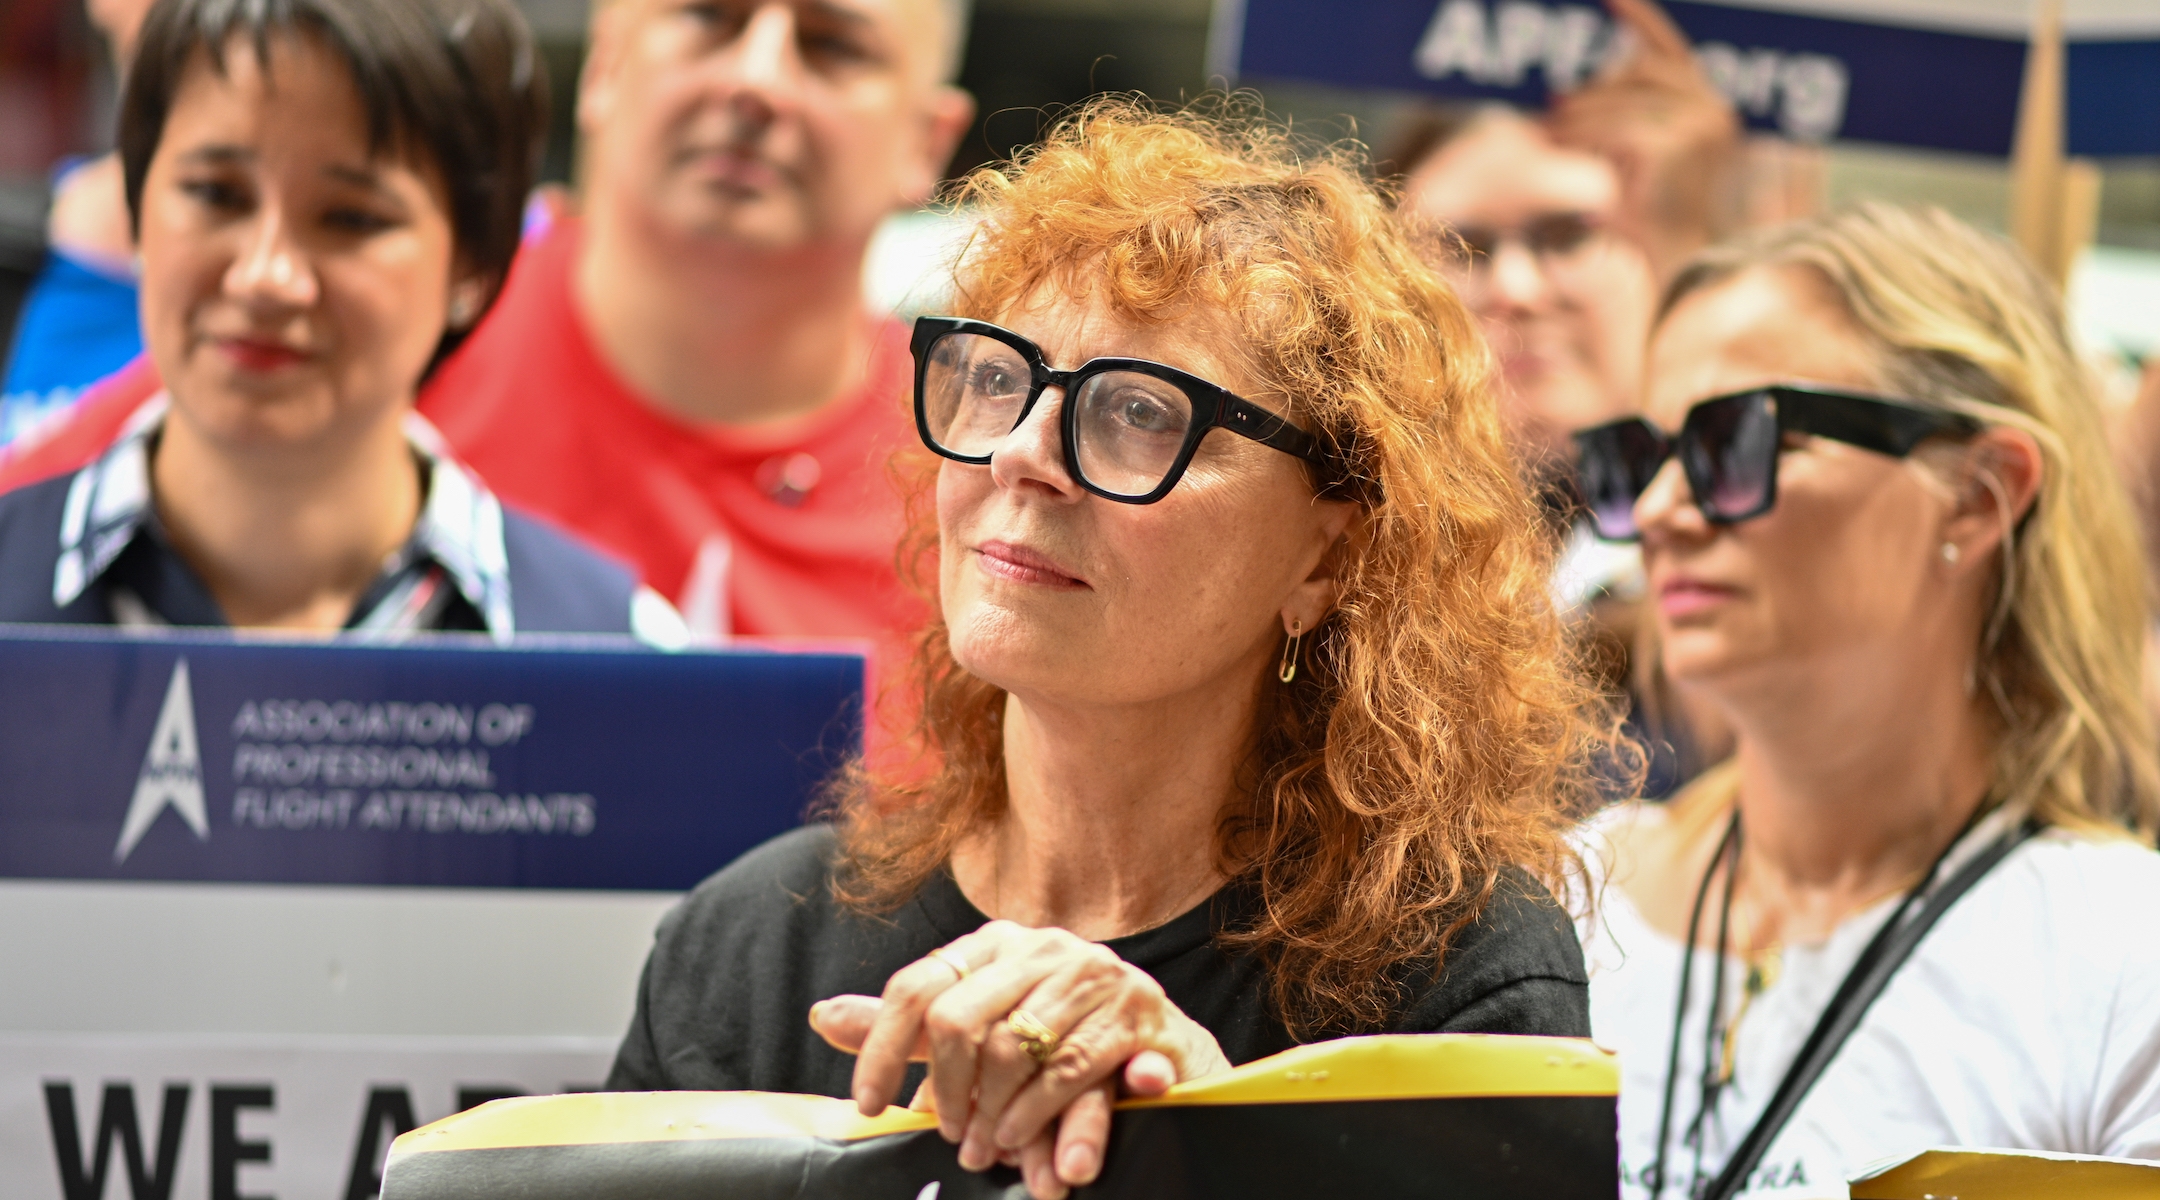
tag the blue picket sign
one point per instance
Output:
(2113, 92)
(1809, 76)
(204, 757)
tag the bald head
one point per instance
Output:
(770, 123)
(941, 25)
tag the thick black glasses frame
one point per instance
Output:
(1213, 407)
(1876, 423)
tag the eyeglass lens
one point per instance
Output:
(1728, 449)
(1128, 427)
(1548, 237)
(973, 389)
(1618, 462)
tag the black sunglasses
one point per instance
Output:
(1129, 426)
(1728, 448)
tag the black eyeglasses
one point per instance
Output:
(1549, 237)
(1728, 447)
(1129, 426)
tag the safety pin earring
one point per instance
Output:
(1288, 670)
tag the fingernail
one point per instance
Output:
(972, 1157)
(1079, 1165)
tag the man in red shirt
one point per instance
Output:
(687, 375)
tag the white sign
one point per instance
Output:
(1500, 44)
(263, 1042)
(210, 1117)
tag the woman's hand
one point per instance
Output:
(993, 1098)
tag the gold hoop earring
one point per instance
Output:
(1288, 670)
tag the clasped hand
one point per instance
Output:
(1113, 1029)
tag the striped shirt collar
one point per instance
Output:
(458, 540)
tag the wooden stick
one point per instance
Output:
(2038, 214)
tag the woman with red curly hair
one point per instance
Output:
(1246, 720)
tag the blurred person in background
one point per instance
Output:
(688, 373)
(322, 192)
(1535, 251)
(1567, 222)
(78, 323)
(1246, 720)
(2137, 456)
(1884, 538)
(2136, 441)
(1557, 230)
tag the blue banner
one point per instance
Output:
(2113, 90)
(202, 757)
(1809, 77)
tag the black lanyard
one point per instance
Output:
(1885, 953)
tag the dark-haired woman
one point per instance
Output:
(323, 192)
(1246, 720)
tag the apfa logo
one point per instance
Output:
(171, 771)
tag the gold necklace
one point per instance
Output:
(1765, 965)
(1764, 968)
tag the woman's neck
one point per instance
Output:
(1112, 816)
(1846, 799)
(287, 541)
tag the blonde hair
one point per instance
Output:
(1439, 735)
(1963, 322)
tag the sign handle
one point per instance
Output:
(2054, 200)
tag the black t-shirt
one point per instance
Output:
(725, 999)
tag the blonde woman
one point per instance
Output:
(1885, 542)
(1245, 721)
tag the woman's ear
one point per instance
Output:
(1998, 483)
(1346, 529)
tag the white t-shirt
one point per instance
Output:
(1590, 567)
(2029, 1018)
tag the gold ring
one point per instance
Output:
(1038, 1040)
(949, 958)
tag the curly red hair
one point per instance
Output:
(1442, 730)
